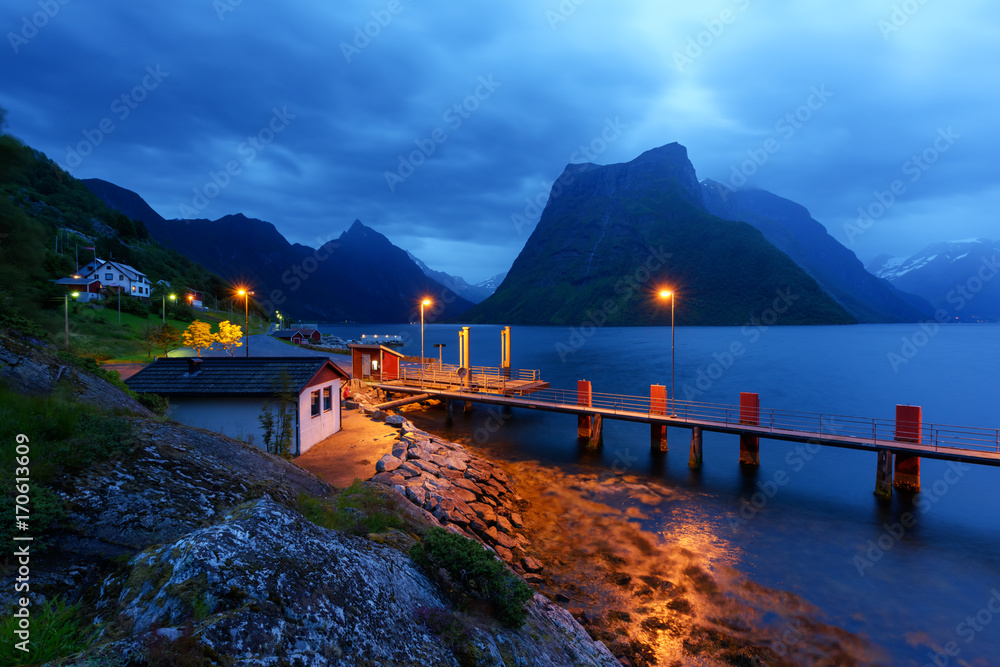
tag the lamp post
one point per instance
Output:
(673, 297)
(66, 300)
(173, 297)
(246, 315)
(425, 302)
(440, 353)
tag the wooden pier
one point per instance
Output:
(899, 443)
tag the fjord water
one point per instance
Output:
(823, 535)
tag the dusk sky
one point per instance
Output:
(312, 106)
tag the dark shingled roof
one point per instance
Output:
(229, 376)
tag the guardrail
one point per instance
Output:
(827, 425)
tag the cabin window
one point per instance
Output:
(109, 276)
(315, 404)
(327, 399)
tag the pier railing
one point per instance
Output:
(862, 430)
(479, 378)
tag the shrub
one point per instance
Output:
(156, 403)
(475, 573)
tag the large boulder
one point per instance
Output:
(264, 586)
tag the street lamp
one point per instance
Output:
(246, 315)
(425, 302)
(66, 300)
(440, 353)
(673, 297)
(173, 297)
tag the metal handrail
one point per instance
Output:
(867, 429)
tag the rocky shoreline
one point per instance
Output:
(580, 542)
(454, 488)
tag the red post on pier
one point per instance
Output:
(658, 406)
(909, 422)
(749, 443)
(584, 396)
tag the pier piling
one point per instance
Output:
(695, 459)
(907, 469)
(883, 474)
(749, 414)
(658, 406)
(584, 423)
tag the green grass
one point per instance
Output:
(359, 509)
(64, 438)
(97, 333)
(57, 630)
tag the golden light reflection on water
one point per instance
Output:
(648, 573)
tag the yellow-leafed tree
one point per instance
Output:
(230, 336)
(198, 336)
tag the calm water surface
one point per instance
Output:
(816, 536)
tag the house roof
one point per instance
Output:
(99, 263)
(74, 282)
(231, 376)
(354, 346)
(286, 333)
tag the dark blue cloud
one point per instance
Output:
(359, 86)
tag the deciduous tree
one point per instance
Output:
(230, 336)
(198, 336)
(166, 336)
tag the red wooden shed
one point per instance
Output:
(374, 362)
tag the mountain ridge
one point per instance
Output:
(376, 282)
(647, 219)
(790, 228)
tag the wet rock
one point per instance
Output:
(530, 564)
(409, 468)
(395, 420)
(389, 479)
(426, 466)
(503, 539)
(455, 463)
(484, 512)
(503, 525)
(399, 450)
(387, 463)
